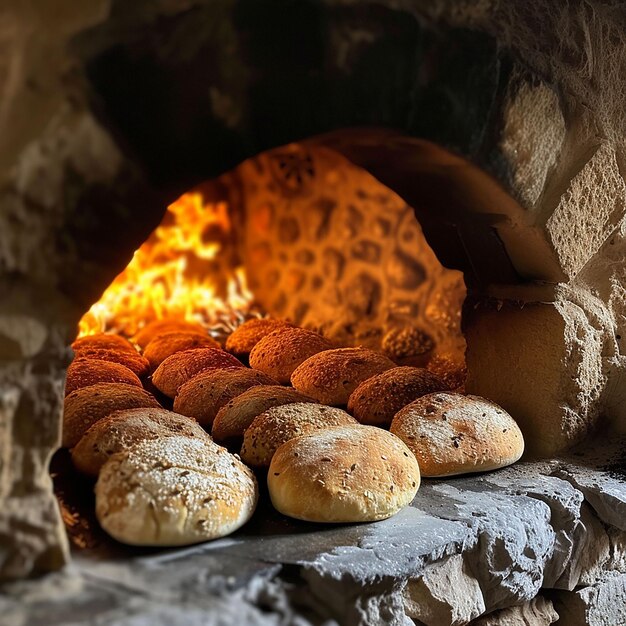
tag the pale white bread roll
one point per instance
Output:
(349, 474)
(272, 428)
(232, 419)
(451, 433)
(331, 376)
(279, 353)
(121, 430)
(173, 492)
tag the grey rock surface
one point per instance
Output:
(483, 547)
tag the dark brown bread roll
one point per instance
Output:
(181, 367)
(233, 418)
(245, 337)
(160, 327)
(331, 376)
(132, 360)
(279, 353)
(169, 343)
(376, 400)
(103, 341)
(205, 394)
(87, 372)
(84, 407)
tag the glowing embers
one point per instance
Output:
(188, 268)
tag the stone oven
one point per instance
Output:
(443, 181)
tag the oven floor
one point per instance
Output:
(524, 541)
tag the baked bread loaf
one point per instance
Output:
(205, 394)
(181, 367)
(84, 407)
(279, 353)
(376, 400)
(450, 434)
(232, 419)
(86, 372)
(160, 327)
(351, 474)
(241, 341)
(450, 369)
(174, 492)
(279, 424)
(103, 341)
(169, 343)
(132, 360)
(331, 376)
(121, 430)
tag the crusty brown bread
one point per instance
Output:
(450, 434)
(169, 343)
(272, 428)
(205, 394)
(160, 327)
(351, 474)
(132, 360)
(450, 369)
(103, 341)
(279, 353)
(121, 430)
(376, 400)
(86, 372)
(241, 341)
(181, 367)
(232, 419)
(84, 407)
(174, 491)
(331, 376)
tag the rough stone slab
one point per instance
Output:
(466, 546)
(601, 604)
(537, 612)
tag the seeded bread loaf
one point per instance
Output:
(87, 372)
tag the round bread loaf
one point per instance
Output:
(232, 419)
(160, 327)
(376, 400)
(271, 429)
(121, 430)
(103, 341)
(86, 372)
(84, 407)
(173, 492)
(351, 474)
(169, 343)
(408, 345)
(279, 353)
(241, 341)
(450, 434)
(450, 369)
(132, 360)
(181, 367)
(205, 394)
(331, 376)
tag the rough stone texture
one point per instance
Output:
(538, 612)
(489, 547)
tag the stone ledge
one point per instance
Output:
(537, 529)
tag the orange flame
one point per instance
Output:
(181, 271)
